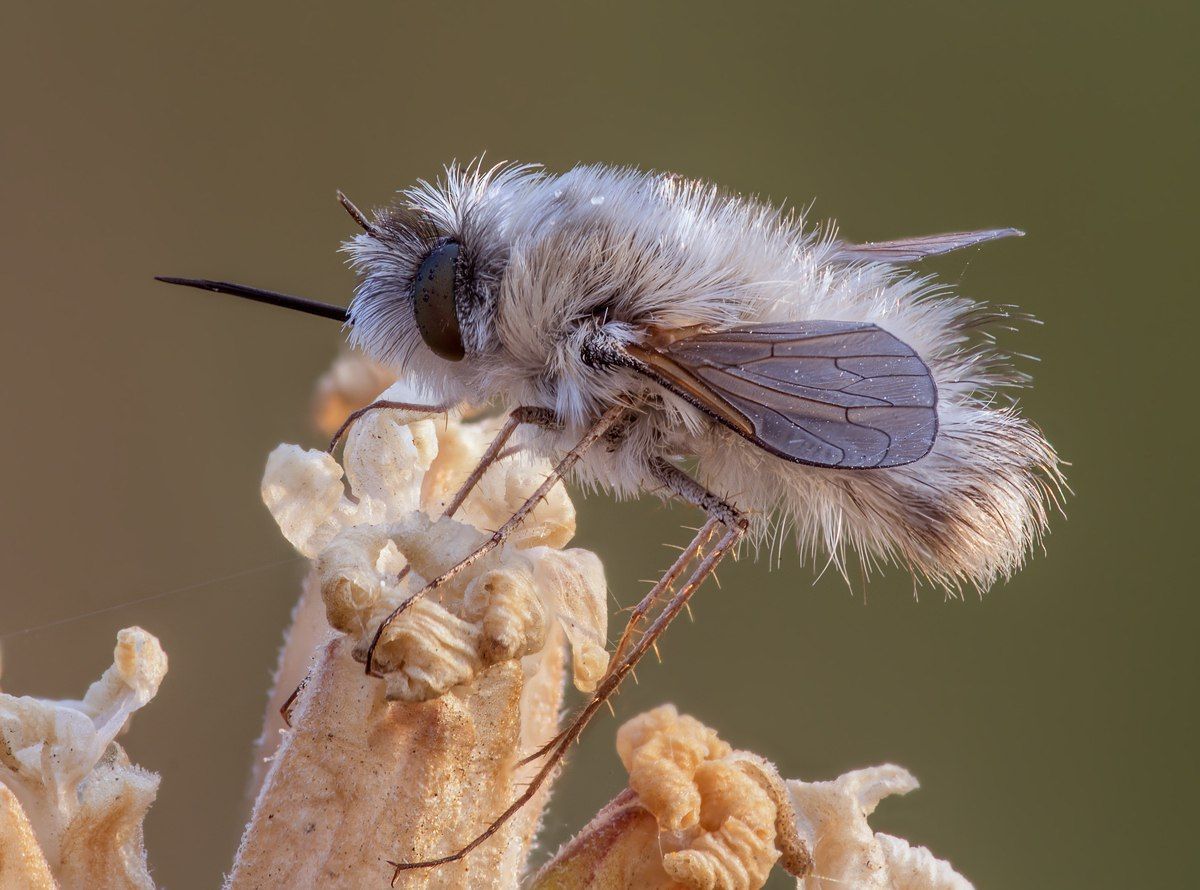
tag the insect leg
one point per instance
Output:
(572, 457)
(542, 417)
(720, 512)
(285, 710)
(376, 406)
(603, 692)
(641, 610)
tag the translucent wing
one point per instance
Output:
(826, 393)
(910, 250)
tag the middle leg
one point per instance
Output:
(721, 513)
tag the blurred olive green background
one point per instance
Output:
(1050, 722)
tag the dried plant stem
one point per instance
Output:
(308, 630)
(359, 778)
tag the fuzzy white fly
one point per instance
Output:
(550, 265)
(643, 321)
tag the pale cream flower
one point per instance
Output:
(414, 766)
(70, 789)
(369, 522)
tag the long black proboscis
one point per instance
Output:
(287, 301)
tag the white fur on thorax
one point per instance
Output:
(623, 249)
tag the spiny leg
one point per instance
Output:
(640, 610)
(684, 488)
(720, 512)
(285, 710)
(572, 457)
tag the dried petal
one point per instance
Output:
(510, 614)
(460, 446)
(386, 459)
(505, 487)
(696, 815)
(572, 584)
(662, 750)
(849, 853)
(303, 490)
(426, 651)
(915, 868)
(83, 799)
(352, 584)
(734, 848)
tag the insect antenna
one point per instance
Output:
(357, 215)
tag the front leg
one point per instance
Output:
(594, 433)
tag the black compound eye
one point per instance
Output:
(433, 302)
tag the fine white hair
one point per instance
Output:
(556, 257)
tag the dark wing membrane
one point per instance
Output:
(827, 393)
(911, 250)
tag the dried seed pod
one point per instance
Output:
(21, 861)
(360, 779)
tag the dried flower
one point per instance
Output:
(833, 820)
(376, 544)
(416, 765)
(72, 797)
(698, 814)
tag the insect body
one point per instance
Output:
(807, 378)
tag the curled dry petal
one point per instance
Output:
(303, 490)
(502, 490)
(661, 751)
(385, 461)
(696, 815)
(849, 853)
(510, 614)
(351, 583)
(427, 651)
(460, 446)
